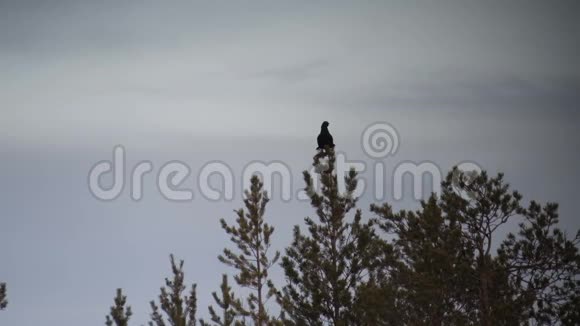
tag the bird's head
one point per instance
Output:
(325, 124)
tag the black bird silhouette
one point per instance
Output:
(325, 138)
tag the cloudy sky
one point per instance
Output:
(493, 82)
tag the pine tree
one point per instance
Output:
(544, 266)
(231, 307)
(430, 277)
(251, 235)
(3, 300)
(450, 272)
(325, 267)
(444, 264)
(119, 315)
(488, 206)
(178, 309)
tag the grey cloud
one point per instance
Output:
(293, 73)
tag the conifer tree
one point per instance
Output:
(179, 309)
(230, 306)
(119, 315)
(430, 277)
(444, 264)
(325, 267)
(3, 300)
(488, 206)
(251, 235)
(450, 271)
(544, 266)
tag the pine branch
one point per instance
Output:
(119, 314)
(3, 295)
(179, 310)
(252, 238)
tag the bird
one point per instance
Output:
(325, 138)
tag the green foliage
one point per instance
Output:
(179, 309)
(447, 263)
(230, 306)
(119, 315)
(544, 266)
(430, 275)
(325, 266)
(3, 301)
(447, 273)
(251, 235)
(503, 296)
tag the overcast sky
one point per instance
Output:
(493, 82)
